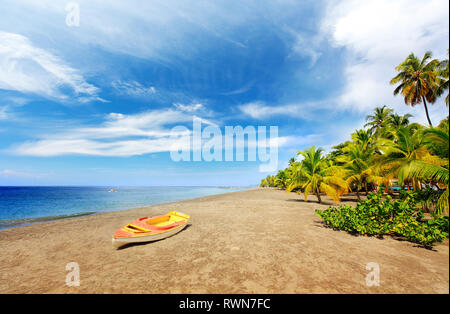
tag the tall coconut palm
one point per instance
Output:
(315, 174)
(418, 80)
(379, 119)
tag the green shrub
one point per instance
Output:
(378, 216)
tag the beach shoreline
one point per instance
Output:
(253, 241)
(92, 206)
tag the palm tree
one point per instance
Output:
(443, 74)
(435, 169)
(338, 150)
(422, 170)
(291, 162)
(379, 119)
(269, 181)
(396, 121)
(418, 80)
(358, 164)
(407, 147)
(281, 179)
(315, 174)
(363, 137)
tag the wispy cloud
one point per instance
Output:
(121, 135)
(241, 90)
(306, 45)
(189, 108)
(30, 69)
(198, 109)
(305, 111)
(118, 135)
(133, 88)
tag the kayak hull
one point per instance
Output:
(148, 229)
(117, 243)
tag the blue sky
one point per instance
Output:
(92, 104)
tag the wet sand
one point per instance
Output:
(259, 241)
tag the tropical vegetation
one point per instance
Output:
(378, 216)
(389, 151)
(316, 174)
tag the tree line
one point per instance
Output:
(389, 150)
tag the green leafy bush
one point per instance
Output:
(378, 216)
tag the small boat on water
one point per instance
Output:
(112, 190)
(148, 229)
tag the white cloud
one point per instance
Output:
(115, 137)
(57, 147)
(130, 135)
(260, 111)
(118, 135)
(30, 69)
(306, 45)
(133, 88)
(378, 35)
(189, 108)
(117, 125)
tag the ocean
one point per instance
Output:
(27, 205)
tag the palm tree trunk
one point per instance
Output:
(357, 194)
(426, 110)
(318, 197)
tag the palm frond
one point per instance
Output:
(442, 205)
(423, 170)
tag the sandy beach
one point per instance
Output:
(258, 241)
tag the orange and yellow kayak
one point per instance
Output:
(147, 229)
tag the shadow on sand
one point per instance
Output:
(348, 198)
(145, 243)
(299, 200)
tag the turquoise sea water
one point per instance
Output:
(25, 205)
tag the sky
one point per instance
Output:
(90, 91)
